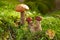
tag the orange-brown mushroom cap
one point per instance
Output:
(21, 8)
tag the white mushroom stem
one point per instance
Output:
(31, 27)
(22, 18)
(38, 24)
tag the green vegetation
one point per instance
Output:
(8, 17)
(43, 6)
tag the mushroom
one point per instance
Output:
(29, 19)
(38, 23)
(22, 8)
(30, 24)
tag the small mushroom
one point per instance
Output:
(29, 20)
(22, 8)
(30, 24)
(38, 23)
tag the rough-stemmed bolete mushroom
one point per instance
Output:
(30, 24)
(22, 8)
(28, 20)
(38, 23)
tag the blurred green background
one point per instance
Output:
(45, 8)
